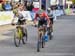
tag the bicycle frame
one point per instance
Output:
(20, 34)
(41, 41)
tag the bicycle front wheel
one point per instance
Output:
(49, 33)
(25, 36)
(39, 43)
(38, 46)
(17, 37)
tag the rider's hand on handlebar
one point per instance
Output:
(48, 25)
(12, 24)
(35, 23)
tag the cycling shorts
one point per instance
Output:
(21, 22)
(42, 22)
(51, 19)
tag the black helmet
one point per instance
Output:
(20, 16)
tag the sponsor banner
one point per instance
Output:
(36, 4)
(6, 17)
(26, 15)
(32, 14)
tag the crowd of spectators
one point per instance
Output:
(10, 5)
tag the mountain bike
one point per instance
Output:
(41, 40)
(20, 34)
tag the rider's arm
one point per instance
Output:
(36, 15)
(46, 16)
(14, 18)
(35, 19)
(12, 22)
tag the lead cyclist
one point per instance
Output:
(42, 19)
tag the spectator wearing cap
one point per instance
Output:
(7, 6)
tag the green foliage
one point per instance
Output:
(73, 1)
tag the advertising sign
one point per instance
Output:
(6, 17)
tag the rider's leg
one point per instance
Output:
(23, 29)
(51, 25)
(51, 29)
(39, 24)
(38, 34)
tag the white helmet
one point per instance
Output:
(49, 9)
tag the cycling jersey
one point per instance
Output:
(43, 18)
(20, 19)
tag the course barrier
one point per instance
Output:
(7, 16)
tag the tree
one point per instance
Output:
(1, 1)
(73, 1)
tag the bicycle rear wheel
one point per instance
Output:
(49, 33)
(43, 42)
(17, 37)
(25, 36)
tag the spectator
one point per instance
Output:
(21, 7)
(7, 6)
(1, 7)
(1, 1)
(25, 3)
(43, 7)
(29, 6)
(15, 8)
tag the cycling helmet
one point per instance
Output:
(40, 11)
(49, 9)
